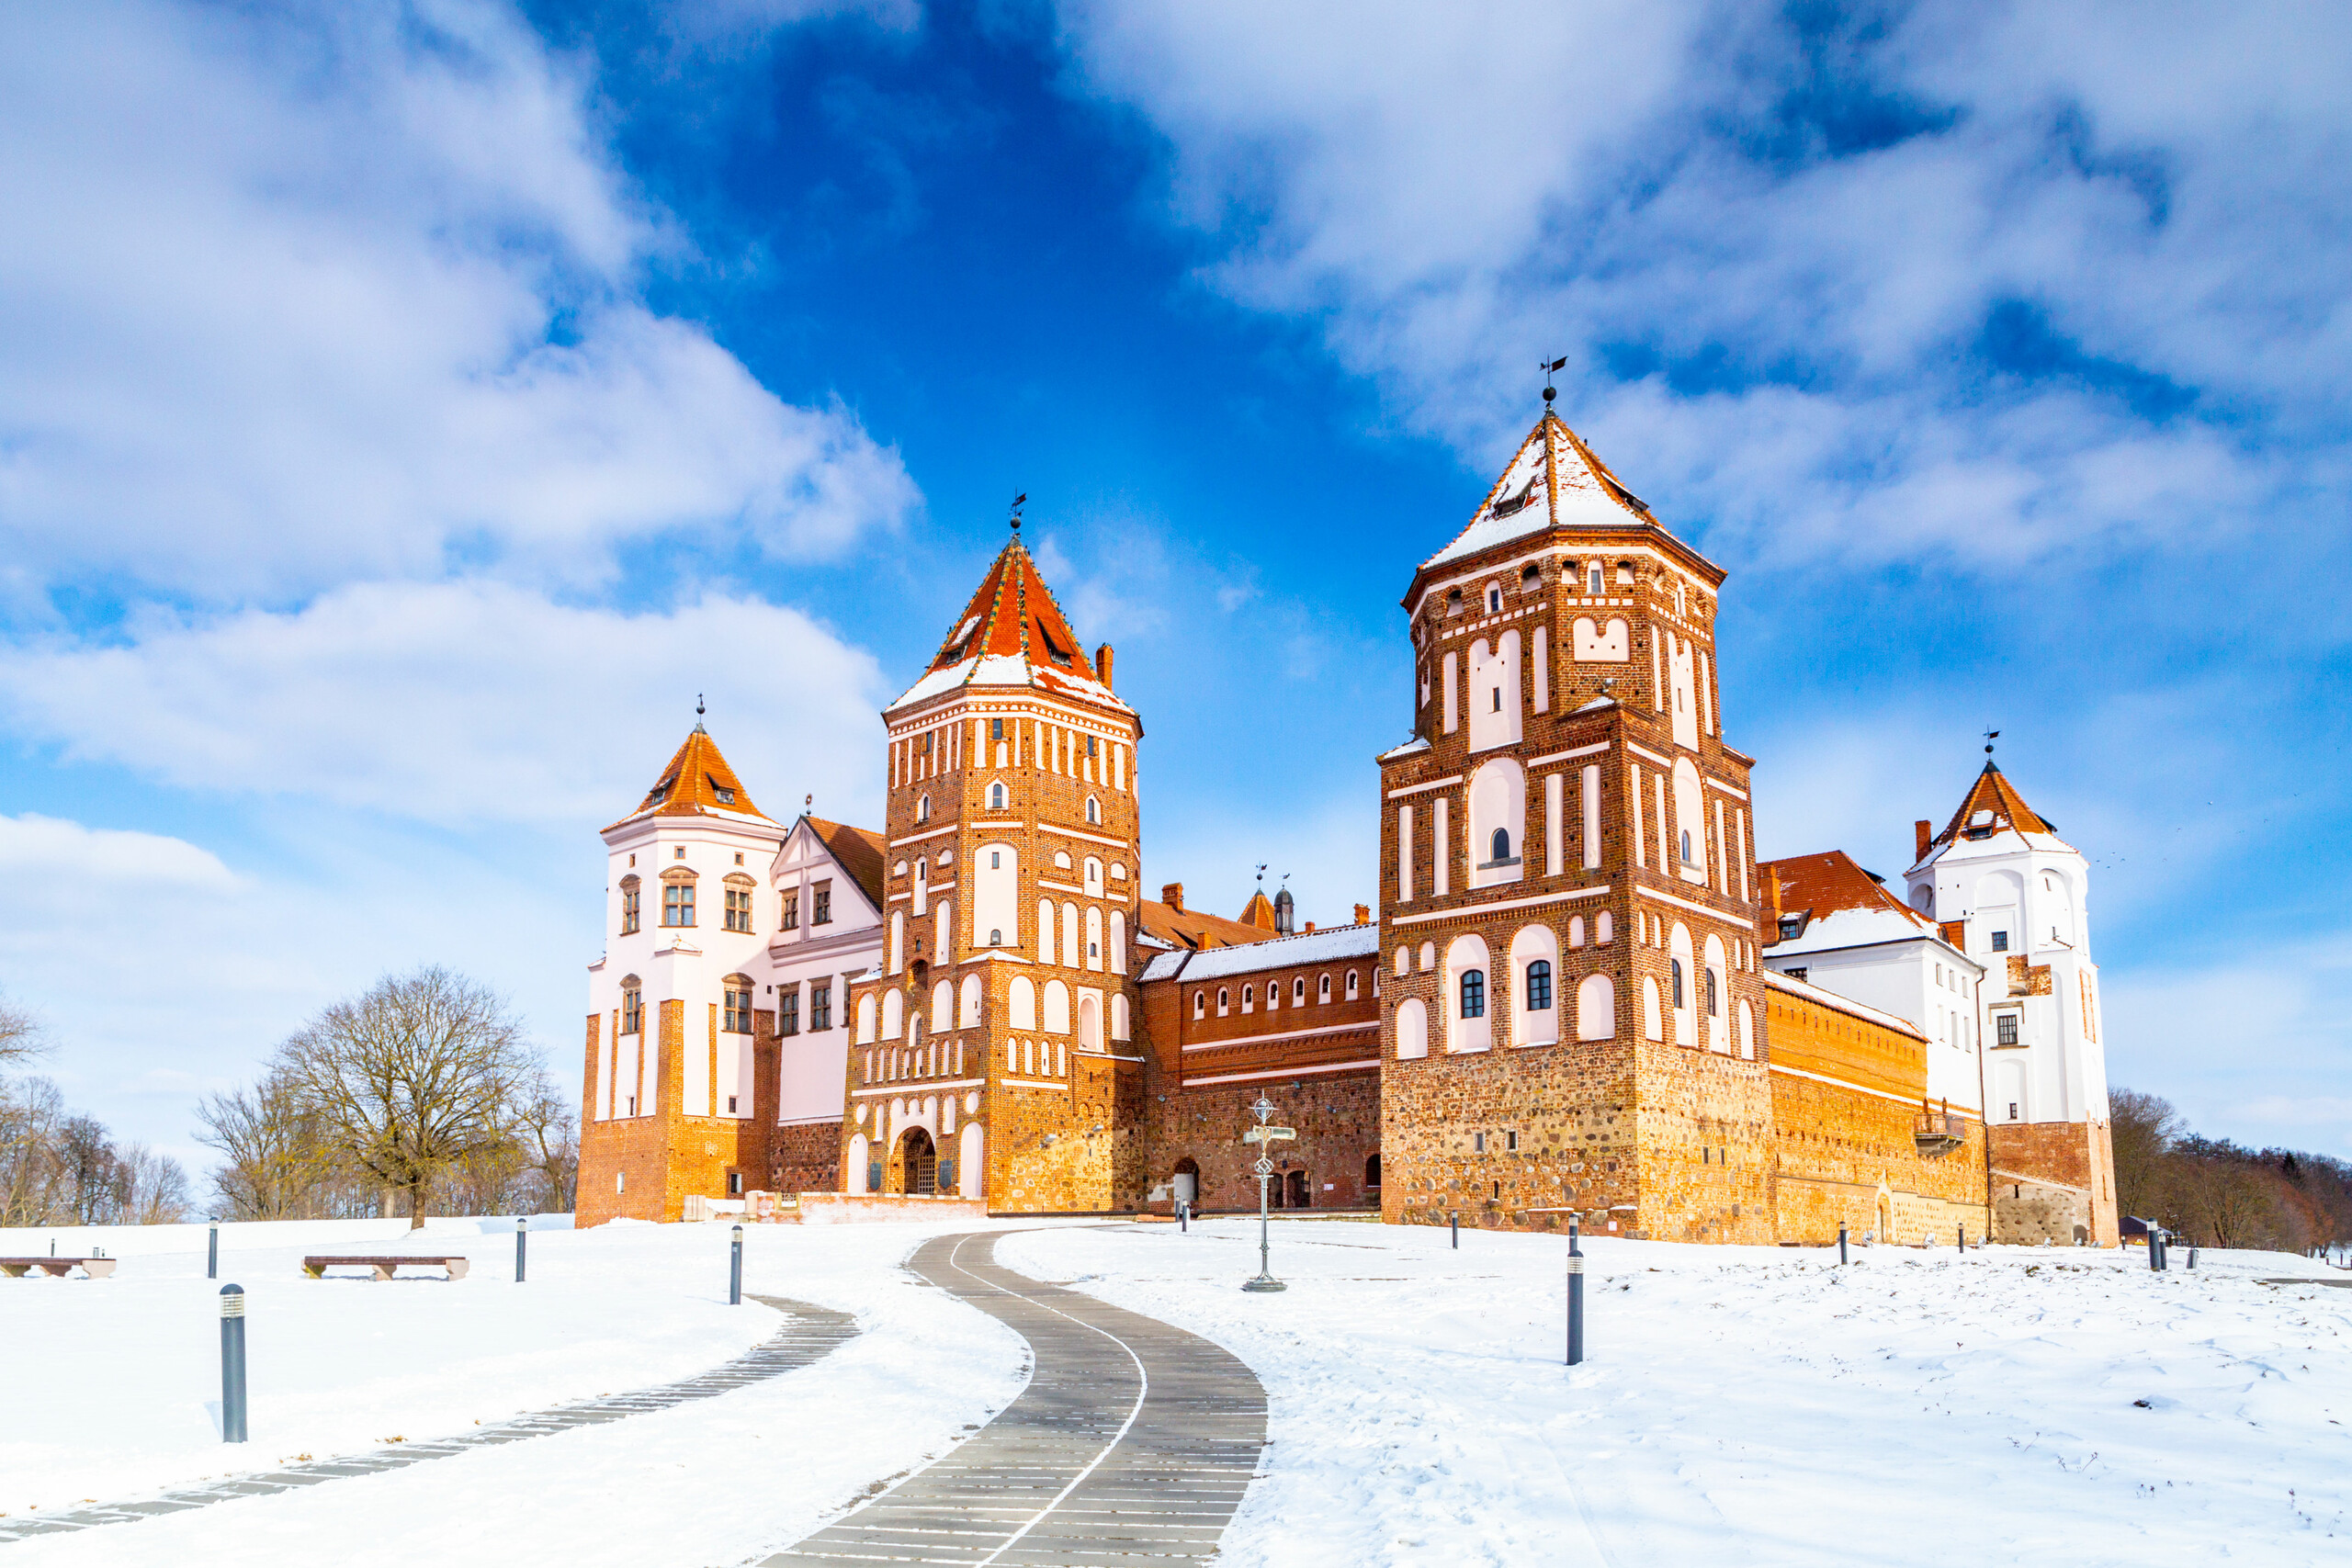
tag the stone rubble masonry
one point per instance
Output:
(2054, 1181)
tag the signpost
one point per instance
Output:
(1265, 1137)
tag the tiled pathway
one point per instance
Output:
(1132, 1444)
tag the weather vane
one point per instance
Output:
(1990, 735)
(699, 709)
(1018, 501)
(1548, 369)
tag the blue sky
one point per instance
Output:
(408, 409)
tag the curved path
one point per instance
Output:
(1133, 1442)
(809, 1334)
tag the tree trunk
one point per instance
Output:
(416, 1206)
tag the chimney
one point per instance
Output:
(1103, 664)
(1364, 914)
(1310, 928)
(1923, 833)
(1172, 895)
(1772, 885)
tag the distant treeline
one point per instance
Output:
(2218, 1193)
(60, 1168)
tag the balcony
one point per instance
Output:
(1937, 1133)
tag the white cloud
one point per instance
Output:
(44, 857)
(463, 702)
(1765, 326)
(298, 294)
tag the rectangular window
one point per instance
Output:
(787, 1010)
(678, 904)
(1794, 974)
(1510, 1142)
(792, 911)
(628, 910)
(737, 1011)
(820, 1006)
(996, 729)
(2000, 941)
(738, 908)
(1478, 1143)
(734, 1177)
(2005, 1029)
(820, 909)
(632, 1013)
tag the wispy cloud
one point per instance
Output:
(294, 295)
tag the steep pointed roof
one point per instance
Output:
(857, 851)
(1553, 481)
(697, 781)
(1012, 634)
(1259, 912)
(1993, 805)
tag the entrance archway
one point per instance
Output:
(1186, 1187)
(918, 1163)
(1299, 1191)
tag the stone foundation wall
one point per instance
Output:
(2053, 1180)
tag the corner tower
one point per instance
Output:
(1571, 1018)
(2016, 896)
(991, 1052)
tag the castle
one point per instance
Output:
(1581, 994)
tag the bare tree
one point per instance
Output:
(417, 1076)
(274, 1161)
(32, 1177)
(551, 1134)
(21, 1035)
(151, 1188)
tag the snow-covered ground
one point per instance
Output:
(1752, 1406)
(1739, 1405)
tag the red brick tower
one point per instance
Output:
(1571, 1017)
(991, 1054)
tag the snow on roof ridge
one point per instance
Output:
(1846, 1004)
(1332, 942)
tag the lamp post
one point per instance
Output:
(232, 1363)
(735, 1271)
(522, 1230)
(1265, 1137)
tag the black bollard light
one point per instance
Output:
(1575, 1297)
(1961, 1232)
(1841, 1246)
(232, 1363)
(1184, 1217)
(212, 1256)
(1456, 1220)
(735, 1272)
(521, 1229)
(2192, 1254)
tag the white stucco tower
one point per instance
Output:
(2015, 898)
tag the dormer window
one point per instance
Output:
(724, 795)
(1792, 924)
(660, 791)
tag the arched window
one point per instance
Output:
(1200, 1004)
(1352, 983)
(1594, 581)
(632, 1009)
(1653, 1025)
(1404, 959)
(1474, 994)
(1323, 989)
(1677, 965)
(1601, 932)
(1714, 1007)
(1539, 986)
(1501, 843)
(1493, 600)
(629, 904)
(1298, 989)
(996, 936)
(922, 809)
(1575, 930)
(1686, 847)
(968, 1012)
(996, 797)
(1224, 1001)
(1249, 998)
(1094, 809)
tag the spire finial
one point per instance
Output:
(1018, 501)
(1990, 735)
(808, 805)
(1548, 369)
(699, 710)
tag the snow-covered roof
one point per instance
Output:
(1417, 743)
(1993, 814)
(1012, 634)
(1777, 981)
(1554, 481)
(1840, 905)
(1333, 946)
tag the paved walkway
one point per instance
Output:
(1132, 1444)
(809, 1334)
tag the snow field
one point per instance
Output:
(114, 1403)
(1757, 1405)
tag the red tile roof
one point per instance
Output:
(697, 781)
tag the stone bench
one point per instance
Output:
(316, 1267)
(57, 1267)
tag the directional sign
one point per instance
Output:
(1266, 1135)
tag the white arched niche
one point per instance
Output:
(1498, 821)
(1596, 1008)
(1020, 1003)
(1531, 1025)
(1057, 1008)
(1412, 1028)
(1465, 958)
